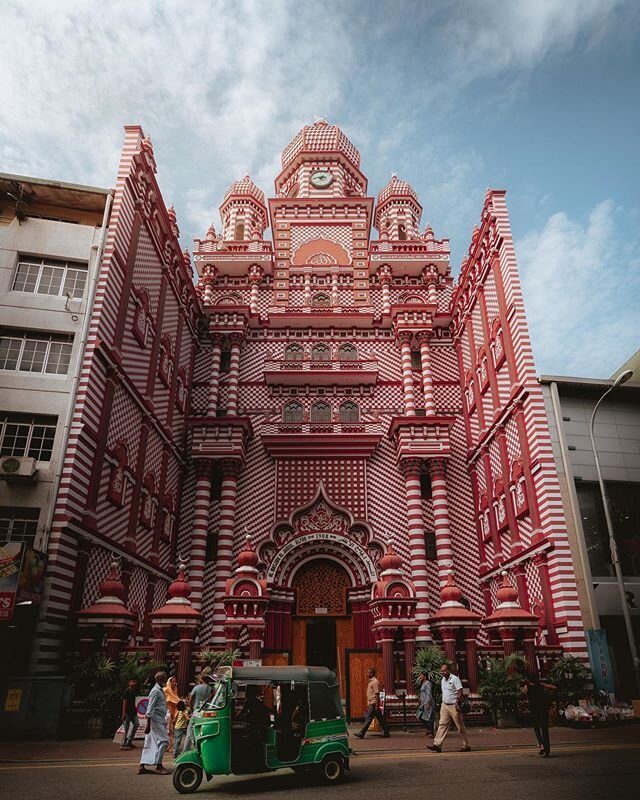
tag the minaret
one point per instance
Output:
(398, 211)
(244, 212)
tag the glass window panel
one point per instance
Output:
(59, 358)
(33, 355)
(75, 282)
(9, 352)
(15, 438)
(26, 277)
(50, 280)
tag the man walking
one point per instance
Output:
(373, 706)
(156, 737)
(129, 715)
(452, 697)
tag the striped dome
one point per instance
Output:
(245, 187)
(396, 188)
(321, 137)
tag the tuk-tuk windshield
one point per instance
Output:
(218, 697)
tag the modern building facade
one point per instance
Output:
(346, 448)
(570, 403)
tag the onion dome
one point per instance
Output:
(452, 610)
(178, 608)
(390, 563)
(248, 558)
(509, 612)
(321, 137)
(396, 188)
(109, 608)
(243, 188)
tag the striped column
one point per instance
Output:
(384, 276)
(224, 556)
(234, 369)
(214, 379)
(334, 289)
(306, 299)
(404, 337)
(254, 277)
(430, 277)
(199, 532)
(411, 469)
(444, 548)
(427, 380)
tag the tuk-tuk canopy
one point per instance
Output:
(282, 674)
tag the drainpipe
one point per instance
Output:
(98, 250)
(575, 509)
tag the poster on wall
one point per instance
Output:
(31, 581)
(10, 563)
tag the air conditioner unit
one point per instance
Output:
(18, 468)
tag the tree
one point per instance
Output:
(499, 687)
(429, 659)
(571, 677)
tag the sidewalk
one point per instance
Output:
(91, 750)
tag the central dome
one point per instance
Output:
(321, 137)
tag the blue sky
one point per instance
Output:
(539, 97)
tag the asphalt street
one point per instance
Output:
(583, 771)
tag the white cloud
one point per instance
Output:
(582, 294)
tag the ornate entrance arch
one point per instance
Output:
(321, 529)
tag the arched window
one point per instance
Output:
(321, 300)
(320, 352)
(292, 412)
(347, 352)
(349, 412)
(294, 352)
(402, 232)
(321, 412)
(239, 230)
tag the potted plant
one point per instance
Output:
(499, 689)
(571, 677)
(429, 659)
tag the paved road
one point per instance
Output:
(573, 773)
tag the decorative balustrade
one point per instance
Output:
(354, 372)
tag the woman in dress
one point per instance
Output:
(173, 698)
(426, 705)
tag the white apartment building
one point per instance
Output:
(51, 235)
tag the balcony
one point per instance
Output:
(218, 438)
(359, 372)
(320, 439)
(409, 257)
(324, 316)
(422, 437)
(232, 258)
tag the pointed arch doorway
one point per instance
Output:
(322, 629)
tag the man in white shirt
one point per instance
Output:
(452, 697)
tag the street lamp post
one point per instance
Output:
(622, 378)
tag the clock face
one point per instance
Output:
(321, 178)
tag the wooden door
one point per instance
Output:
(299, 635)
(344, 642)
(358, 662)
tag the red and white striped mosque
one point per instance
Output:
(322, 450)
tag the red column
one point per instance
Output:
(448, 636)
(114, 642)
(534, 512)
(523, 589)
(471, 647)
(491, 368)
(199, 532)
(255, 642)
(160, 644)
(184, 659)
(234, 370)
(516, 543)
(495, 535)
(465, 410)
(214, 379)
(387, 661)
(411, 469)
(540, 560)
(230, 471)
(530, 653)
(409, 658)
(404, 337)
(473, 474)
(508, 638)
(444, 547)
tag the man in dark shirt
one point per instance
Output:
(539, 697)
(129, 715)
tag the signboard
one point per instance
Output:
(600, 660)
(31, 582)
(13, 700)
(314, 538)
(141, 708)
(10, 563)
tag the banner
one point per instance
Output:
(32, 576)
(600, 661)
(10, 562)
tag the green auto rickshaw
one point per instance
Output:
(259, 719)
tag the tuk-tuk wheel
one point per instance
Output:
(332, 769)
(187, 778)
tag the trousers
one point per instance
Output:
(373, 712)
(450, 714)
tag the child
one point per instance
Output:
(180, 727)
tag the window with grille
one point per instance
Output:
(430, 546)
(31, 351)
(294, 352)
(321, 412)
(347, 352)
(321, 300)
(349, 412)
(18, 524)
(416, 360)
(47, 276)
(321, 352)
(293, 412)
(27, 435)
